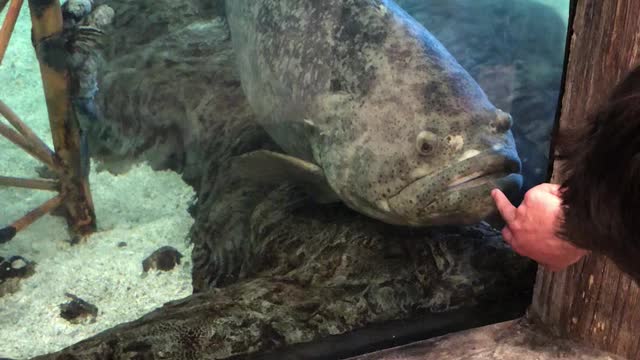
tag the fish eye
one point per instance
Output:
(426, 142)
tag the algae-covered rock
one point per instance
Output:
(13, 270)
(329, 279)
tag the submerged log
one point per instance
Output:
(512, 340)
(325, 281)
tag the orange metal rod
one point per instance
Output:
(16, 138)
(24, 129)
(10, 231)
(8, 25)
(37, 184)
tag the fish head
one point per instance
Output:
(454, 172)
(409, 137)
(425, 158)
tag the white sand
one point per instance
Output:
(143, 208)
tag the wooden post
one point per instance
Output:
(49, 43)
(593, 302)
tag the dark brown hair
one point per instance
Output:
(601, 193)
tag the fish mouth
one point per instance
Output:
(459, 194)
(476, 179)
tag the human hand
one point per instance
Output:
(530, 228)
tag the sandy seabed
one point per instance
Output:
(144, 208)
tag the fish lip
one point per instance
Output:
(460, 186)
(483, 176)
(499, 167)
(491, 163)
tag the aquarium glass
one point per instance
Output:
(266, 176)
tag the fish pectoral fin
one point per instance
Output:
(275, 168)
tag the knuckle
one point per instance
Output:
(530, 196)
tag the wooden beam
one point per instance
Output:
(38, 184)
(50, 45)
(593, 302)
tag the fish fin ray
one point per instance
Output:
(266, 166)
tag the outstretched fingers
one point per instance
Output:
(506, 209)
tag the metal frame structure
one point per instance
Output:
(66, 161)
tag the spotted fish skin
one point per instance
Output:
(399, 130)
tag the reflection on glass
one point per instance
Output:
(289, 170)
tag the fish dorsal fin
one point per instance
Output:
(265, 166)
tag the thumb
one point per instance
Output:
(506, 209)
(507, 235)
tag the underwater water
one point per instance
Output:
(336, 227)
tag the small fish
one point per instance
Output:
(371, 110)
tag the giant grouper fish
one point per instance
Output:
(369, 109)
